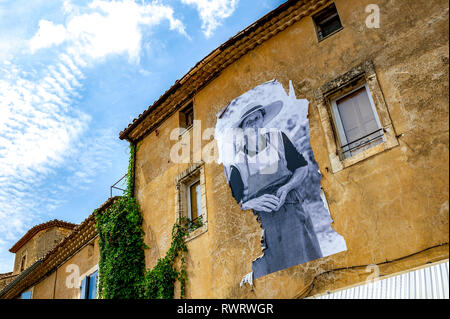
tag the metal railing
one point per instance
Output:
(193, 224)
(115, 185)
(342, 151)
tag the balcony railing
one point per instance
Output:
(345, 150)
(114, 186)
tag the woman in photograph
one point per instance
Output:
(265, 177)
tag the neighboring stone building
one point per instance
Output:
(59, 272)
(34, 245)
(37, 242)
(389, 201)
(5, 279)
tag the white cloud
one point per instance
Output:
(38, 127)
(49, 34)
(107, 28)
(42, 133)
(212, 12)
(42, 130)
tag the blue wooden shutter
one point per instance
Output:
(93, 286)
(26, 295)
(358, 119)
(84, 288)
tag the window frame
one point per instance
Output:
(317, 27)
(182, 122)
(187, 178)
(188, 195)
(342, 138)
(338, 88)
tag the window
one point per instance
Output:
(327, 22)
(190, 199)
(89, 287)
(357, 122)
(23, 262)
(354, 117)
(194, 201)
(187, 116)
(26, 295)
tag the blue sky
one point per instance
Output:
(73, 74)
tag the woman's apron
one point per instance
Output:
(288, 237)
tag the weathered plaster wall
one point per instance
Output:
(391, 206)
(61, 287)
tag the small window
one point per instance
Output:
(357, 122)
(187, 116)
(89, 287)
(194, 201)
(327, 22)
(23, 262)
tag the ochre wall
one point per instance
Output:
(85, 259)
(387, 207)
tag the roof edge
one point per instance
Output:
(36, 229)
(81, 234)
(124, 135)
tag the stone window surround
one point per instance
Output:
(363, 73)
(194, 171)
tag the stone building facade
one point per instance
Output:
(389, 202)
(34, 245)
(60, 272)
(37, 242)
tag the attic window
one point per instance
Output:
(187, 116)
(23, 262)
(327, 22)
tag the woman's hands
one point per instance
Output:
(265, 203)
(282, 193)
(271, 203)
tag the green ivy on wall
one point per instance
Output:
(159, 282)
(122, 272)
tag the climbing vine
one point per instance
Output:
(122, 270)
(159, 282)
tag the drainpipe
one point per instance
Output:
(133, 170)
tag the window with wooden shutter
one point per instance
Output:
(354, 117)
(92, 294)
(357, 122)
(26, 295)
(84, 288)
(89, 286)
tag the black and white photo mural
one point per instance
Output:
(263, 141)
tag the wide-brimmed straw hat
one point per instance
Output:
(271, 110)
